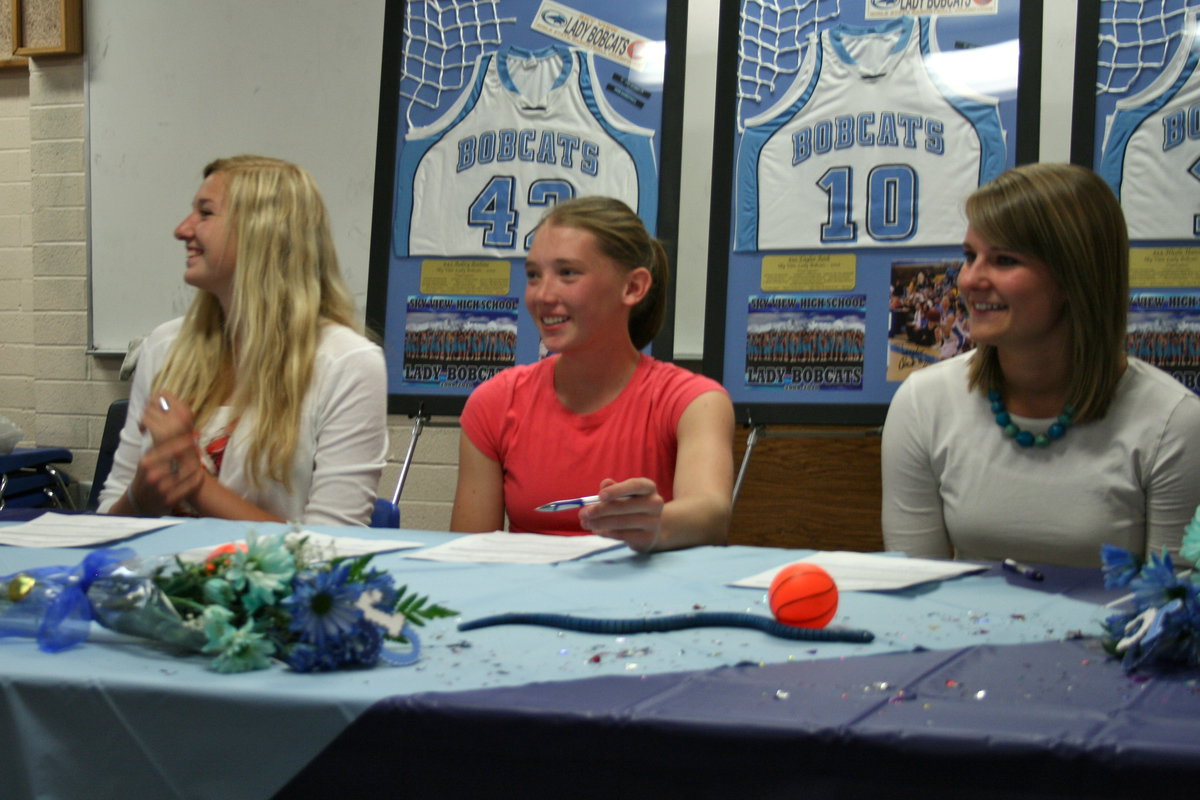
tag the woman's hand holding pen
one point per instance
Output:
(629, 510)
(170, 472)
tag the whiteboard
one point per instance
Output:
(173, 84)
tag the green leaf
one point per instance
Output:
(415, 607)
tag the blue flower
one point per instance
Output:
(303, 657)
(219, 591)
(1158, 584)
(1163, 625)
(322, 605)
(1188, 643)
(359, 647)
(238, 649)
(216, 622)
(1120, 566)
(262, 571)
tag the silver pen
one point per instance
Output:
(575, 502)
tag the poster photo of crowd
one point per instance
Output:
(927, 320)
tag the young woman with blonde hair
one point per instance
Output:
(1048, 440)
(653, 440)
(264, 402)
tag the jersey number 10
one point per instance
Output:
(892, 192)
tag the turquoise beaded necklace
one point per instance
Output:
(1024, 438)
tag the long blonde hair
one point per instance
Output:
(1065, 216)
(286, 286)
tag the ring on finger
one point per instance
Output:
(174, 465)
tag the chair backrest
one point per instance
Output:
(385, 515)
(113, 422)
(29, 479)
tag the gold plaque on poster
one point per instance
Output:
(465, 276)
(1164, 266)
(815, 272)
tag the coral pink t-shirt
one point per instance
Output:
(549, 453)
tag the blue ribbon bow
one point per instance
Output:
(55, 610)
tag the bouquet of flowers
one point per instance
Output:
(275, 596)
(1161, 626)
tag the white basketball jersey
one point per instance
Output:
(531, 131)
(868, 148)
(1151, 154)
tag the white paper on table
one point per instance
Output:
(335, 546)
(79, 530)
(501, 547)
(865, 572)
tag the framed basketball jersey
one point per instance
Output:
(491, 112)
(846, 143)
(1146, 145)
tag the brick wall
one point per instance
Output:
(16, 255)
(49, 385)
(71, 390)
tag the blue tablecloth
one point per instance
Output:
(115, 715)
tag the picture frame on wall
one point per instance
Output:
(47, 27)
(8, 44)
(846, 142)
(492, 111)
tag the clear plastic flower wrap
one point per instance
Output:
(128, 601)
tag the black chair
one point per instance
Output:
(108, 447)
(29, 479)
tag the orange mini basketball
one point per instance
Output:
(803, 595)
